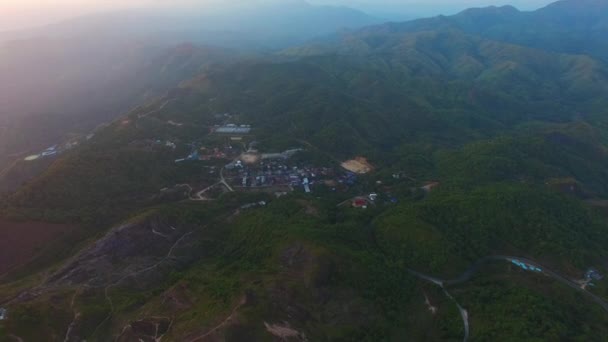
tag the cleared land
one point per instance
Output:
(358, 165)
(250, 158)
(21, 241)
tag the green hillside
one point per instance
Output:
(568, 26)
(485, 199)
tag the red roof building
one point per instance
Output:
(360, 203)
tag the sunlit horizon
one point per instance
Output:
(22, 14)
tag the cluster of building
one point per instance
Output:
(232, 129)
(593, 274)
(204, 153)
(52, 150)
(277, 172)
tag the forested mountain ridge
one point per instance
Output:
(59, 89)
(452, 54)
(261, 26)
(117, 60)
(481, 210)
(352, 102)
(569, 26)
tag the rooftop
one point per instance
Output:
(233, 129)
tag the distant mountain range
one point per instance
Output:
(261, 27)
(61, 86)
(571, 26)
(80, 72)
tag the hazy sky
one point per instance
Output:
(430, 7)
(21, 13)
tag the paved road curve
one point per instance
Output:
(468, 274)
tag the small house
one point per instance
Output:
(593, 274)
(360, 203)
(2, 314)
(430, 186)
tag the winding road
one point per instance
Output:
(473, 268)
(199, 195)
(223, 180)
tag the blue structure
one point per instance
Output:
(348, 178)
(525, 266)
(593, 274)
(193, 156)
(234, 129)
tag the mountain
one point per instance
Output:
(569, 26)
(520, 77)
(263, 26)
(349, 98)
(72, 76)
(384, 184)
(69, 86)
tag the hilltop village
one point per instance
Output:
(232, 156)
(245, 168)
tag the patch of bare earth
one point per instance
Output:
(358, 165)
(284, 332)
(250, 158)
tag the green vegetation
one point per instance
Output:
(520, 310)
(516, 139)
